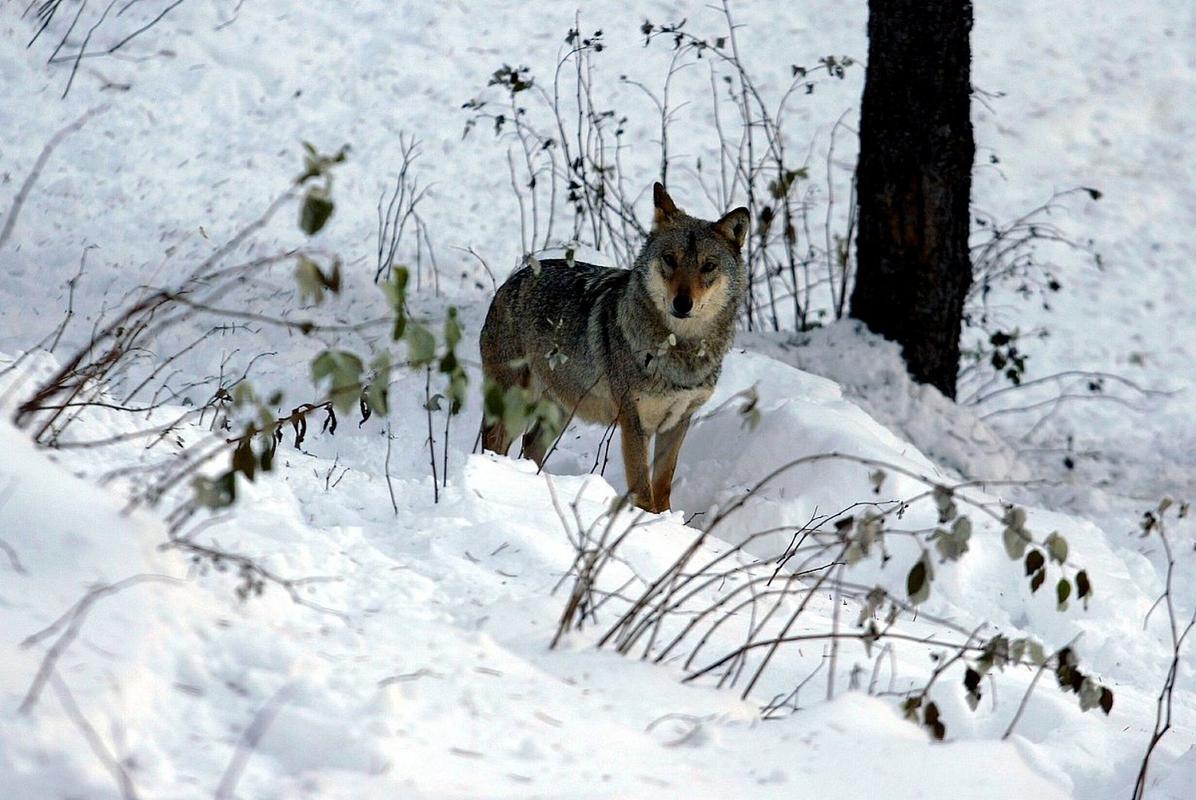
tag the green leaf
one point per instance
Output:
(381, 364)
(1062, 592)
(1015, 542)
(1091, 694)
(492, 402)
(395, 289)
(1015, 517)
(515, 411)
(944, 501)
(549, 416)
(342, 370)
(873, 600)
(316, 165)
(400, 327)
(377, 393)
(243, 394)
(310, 280)
(870, 529)
(917, 583)
(421, 345)
(458, 384)
(910, 708)
(316, 210)
(452, 328)
(244, 461)
(377, 397)
(215, 493)
(953, 544)
(1056, 545)
(871, 634)
(962, 528)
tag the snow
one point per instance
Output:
(436, 683)
(417, 663)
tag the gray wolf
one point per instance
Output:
(641, 347)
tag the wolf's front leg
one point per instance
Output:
(664, 462)
(635, 458)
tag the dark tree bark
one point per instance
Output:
(914, 182)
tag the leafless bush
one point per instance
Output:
(106, 30)
(783, 276)
(566, 146)
(402, 210)
(1154, 523)
(127, 364)
(702, 600)
(574, 157)
(92, 375)
(1016, 256)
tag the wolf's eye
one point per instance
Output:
(709, 266)
(670, 261)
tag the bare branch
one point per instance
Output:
(18, 202)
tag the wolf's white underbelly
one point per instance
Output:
(663, 412)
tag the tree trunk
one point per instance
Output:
(914, 182)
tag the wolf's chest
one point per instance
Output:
(662, 412)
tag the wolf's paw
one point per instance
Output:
(655, 506)
(646, 503)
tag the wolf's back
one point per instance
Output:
(554, 309)
(560, 324)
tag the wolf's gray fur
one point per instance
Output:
(641, 347)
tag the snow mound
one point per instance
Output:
(416, 659)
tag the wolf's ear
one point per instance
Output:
(666, 210)
(734, 225)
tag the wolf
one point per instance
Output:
(641, 348)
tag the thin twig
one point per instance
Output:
(248, 742)
(124, 782)
(18, 202)
(71, 623)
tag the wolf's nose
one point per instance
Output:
(682, 305)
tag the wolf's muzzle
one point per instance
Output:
(682, 305)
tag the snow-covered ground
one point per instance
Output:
(418, 663)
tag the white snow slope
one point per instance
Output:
(413, 658)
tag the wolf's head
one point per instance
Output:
(693, 268)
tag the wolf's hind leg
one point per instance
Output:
(496, 438)
(502, 362)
